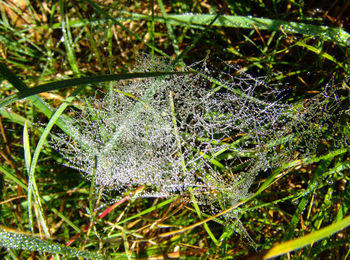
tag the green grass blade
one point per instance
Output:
(67, 39)
(27, 159)
(7, 101)
(171, 33)
(319, 52)
(306, 240)
(14, 117)
(91, 80)
(344, 207)
(21, 86)
(27, 242)
(70, 223)
(33, 190)
(13, 177)
(146, 211)
(26, 146)
(12, 78)
(197, 20)
(152, 29)
(93, 43)
(84, 81)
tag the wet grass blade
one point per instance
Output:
(198, 20)
(67, 39)
(27, 160)
(32, 187)
(22, 241)
(172, 35)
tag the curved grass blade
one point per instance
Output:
(84, 81)
(21, 86)
(319, 52)
(32, 187)
(91, 80)
(31, 170)
(27, 160)
(12, 78)
(306, 240)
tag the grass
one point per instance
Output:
(296, 209)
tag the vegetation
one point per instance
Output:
(174, 130)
